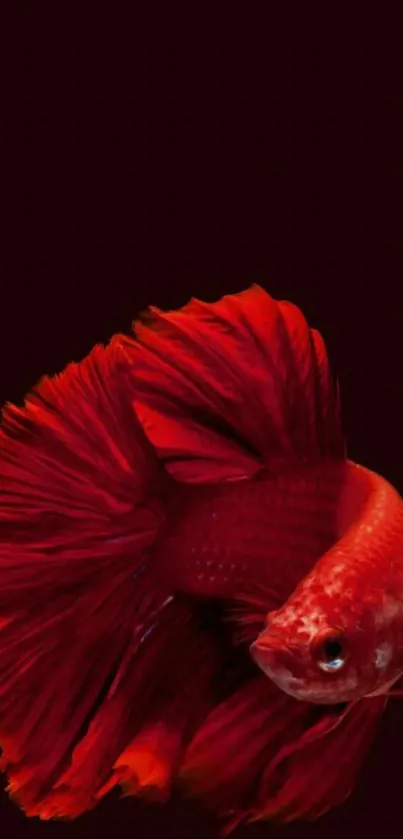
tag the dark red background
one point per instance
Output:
(158, 155)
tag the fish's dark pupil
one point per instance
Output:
(332, 649)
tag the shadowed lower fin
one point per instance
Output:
(263, 755)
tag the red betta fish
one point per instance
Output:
(197, 587)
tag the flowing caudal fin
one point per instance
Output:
(317, 770)
(226, 388)
(88, 643)
(263, 755)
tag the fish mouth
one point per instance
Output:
(266, 648)
(265, 657)
(272, 655)
(272, 650)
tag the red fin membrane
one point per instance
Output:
(224, 760)
(261, 754)
(318, 770)
(149, 763)
(86, 639)
(224, 388)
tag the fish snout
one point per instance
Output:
(272, 653)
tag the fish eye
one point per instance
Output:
(331, 654)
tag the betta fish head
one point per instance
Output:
(325, 651)
(339, 636)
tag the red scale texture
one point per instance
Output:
(226, 540)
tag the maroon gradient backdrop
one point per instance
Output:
(154, 158)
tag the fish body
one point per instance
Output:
(181, 534)
(227, 540)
